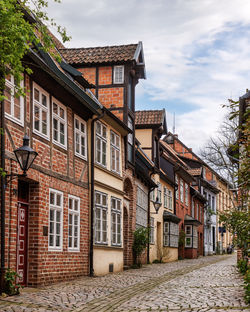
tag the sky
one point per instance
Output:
(197, 53)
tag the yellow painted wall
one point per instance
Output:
(144, 136)
(104, 256)
(157, 249)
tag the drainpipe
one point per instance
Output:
(151, 189)
(91, 247)
(2, 198)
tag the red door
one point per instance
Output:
(22, 243)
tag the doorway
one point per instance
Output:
(22, 231)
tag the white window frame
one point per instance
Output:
(115, 148)
(60, 121)
(75, 214)
(55, 208)
(81, 135)
(118, 74)
(170, 199)
(117, 213)
(186, 194)
(41, 108)
(181, 190)
(103, 140)
(11, 84)
(103, 208)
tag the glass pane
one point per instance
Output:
(17, 108)
(36, 94)
(52, 198)
(57, 241)
(70, 203)
(62, 136)
(58, 216)
(51, 240)
(58, 200)
(82, 145)
(37, 117)
(7, 93)
(118, 205)
(75, 220)
(113, 203)
(70, 219)
(104, 132)
(70, 242)
(75, 242)
(51, 215)
(77, 143)
(44, 100)
(55, 132)
(55, 108)
(76, 204)
(61, 112)
(44, 122)
(98, 128)
(98, 198)
(82, 127)
(51, 227)
(76, 124)
(57, 228)
(112, 138)
(104, 200)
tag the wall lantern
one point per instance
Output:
(157, 205)
(25, 155)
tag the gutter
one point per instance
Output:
(92, 173)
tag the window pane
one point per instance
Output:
(36, 94)
(55, 108)
(7, 93)
(77, 143)
(82, 127)
(76, 124)
(44, 100)
(70, 203)
(57, 241)
(52, 198)
(37, 117)
(61, 112)
(44, 122)
(58, 216)
(17, 108)
(58, 200)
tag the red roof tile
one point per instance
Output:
(149, 117)
(122, 53)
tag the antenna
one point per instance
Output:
(174, 124)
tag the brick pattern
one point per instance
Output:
(89, 73)
(54, 168)
(111, 97)
(105, 75)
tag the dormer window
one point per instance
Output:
(118, 74)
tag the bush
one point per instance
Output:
(157, 261)
(141, 240)
(242, 266)
(11, 287)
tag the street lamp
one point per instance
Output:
(157, 205)
(25, 155)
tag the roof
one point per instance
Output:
(190, 220)
(108, 54)
(150, 118)
(195, 171)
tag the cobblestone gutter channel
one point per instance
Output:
(207, 284)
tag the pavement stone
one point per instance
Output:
(199, 285)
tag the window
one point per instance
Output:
(116, 221)
(141, 208)
(14, 106)
(170, 200)
(59, 124)
(55, 219)
(186, 194)
(209, 201)
(177, 189)
(159, 192)
(170, 234)
(40, 112)
(152, 228)
(197, 211)
(115, 152)
(101, 218)
(213, 203)
(189, 234)
(118, 74)
(181, 191)
(191, 239)
(80, 138)
(74, 223)
(130, 140)
(165, 198)
(101, 144)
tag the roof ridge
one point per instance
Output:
(102, 47)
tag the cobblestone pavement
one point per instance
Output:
(205, 284)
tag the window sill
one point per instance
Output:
(103, 246)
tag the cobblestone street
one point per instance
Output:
(206, 284)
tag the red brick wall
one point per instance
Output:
(54, 168)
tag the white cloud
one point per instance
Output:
(196, 52)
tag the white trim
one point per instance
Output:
(47, 137)
(102, 140)
(74, 213)
(116, 148)
(11, 85)
(56, 208)
(84, 134)
(59, 119)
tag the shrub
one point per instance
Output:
(242, 266)
(247, 286)
(11, 287)
(141, 239)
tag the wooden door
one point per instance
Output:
(22, 243)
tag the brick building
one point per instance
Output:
(47, 211)
(115, 71)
